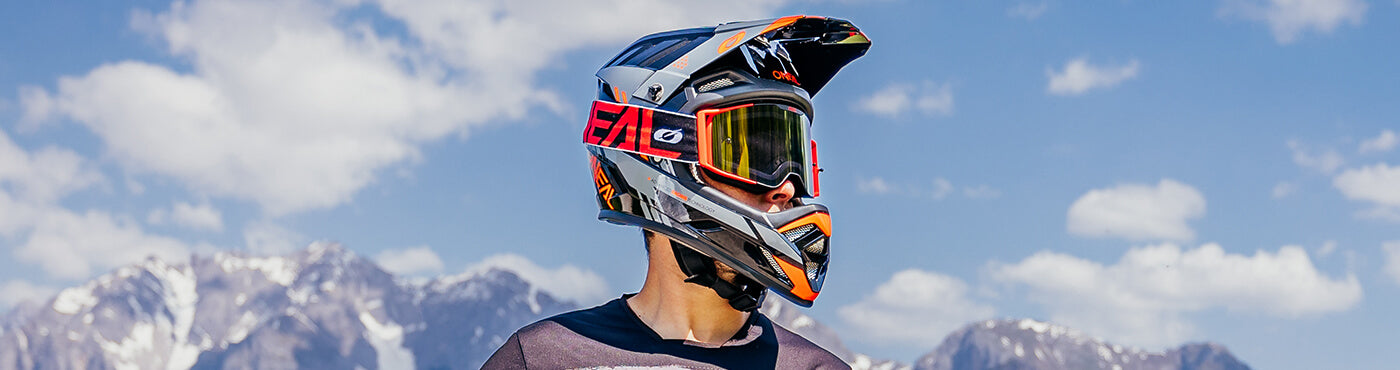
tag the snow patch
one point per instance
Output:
(387, 340)
(23, 340)
(1106, 354)
(73, 300)
(180, 297)
(134, 346)
(1036, 326)
(300, 295)
(239, 330)
(276, 269)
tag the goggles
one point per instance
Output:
(750, 145)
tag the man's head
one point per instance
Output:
(703, 136)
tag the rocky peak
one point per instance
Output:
(1030, 344)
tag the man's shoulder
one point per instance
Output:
(791, 345)
(607, 317)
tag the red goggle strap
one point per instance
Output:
(641, 130)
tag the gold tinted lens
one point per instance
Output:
(760, 143)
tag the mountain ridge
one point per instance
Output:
(326, 307)
(1031, 344)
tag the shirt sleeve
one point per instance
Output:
(509, 356)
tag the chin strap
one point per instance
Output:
(743, 294)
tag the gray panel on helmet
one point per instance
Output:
(667, 80)
(642, 177)
(742, 25)
(625, 78)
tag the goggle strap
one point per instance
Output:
(642, 130)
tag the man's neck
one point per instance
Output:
(675, 309)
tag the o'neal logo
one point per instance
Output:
(641, 130)
(666, 135)
(605, 187)
(785, 76)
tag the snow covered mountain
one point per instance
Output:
(323, 307)
(1029, 344)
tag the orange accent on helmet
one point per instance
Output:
(731, 42)
(821, 219)
(800, 287)
(782, 22)
(617, 94)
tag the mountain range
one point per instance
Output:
(326, 307)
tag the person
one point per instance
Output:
(702, 138)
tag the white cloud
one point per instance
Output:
(19, 216)
(63, 243)
(897, 99)
(1028, 11)
(1143, 299)
(1326, 163)
(1380, 144)
(200, 217)
(874, 185)
(265, 238)
(1327, 248)
(915, 308)
(72, 246)
(14, 292)
(567, 282)
(1079, 77)
(1391, 214)
(1137, 212)
(1284, 189)
(981, 192)
(298, 105)
(44, 175)
(1288, 19)
(419, 260)
(135, 187)
(197, 217)
(157, 216)
(1377, 184)
(1391, 249)
(941, 188)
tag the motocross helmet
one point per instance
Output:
(734, 102)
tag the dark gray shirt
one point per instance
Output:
(611, 336)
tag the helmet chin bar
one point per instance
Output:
(743, 293)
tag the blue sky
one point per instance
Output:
(1147, 172)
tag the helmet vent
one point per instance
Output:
(719, 83)
(798, 232)
(772, 263)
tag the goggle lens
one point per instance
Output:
(761, 144)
